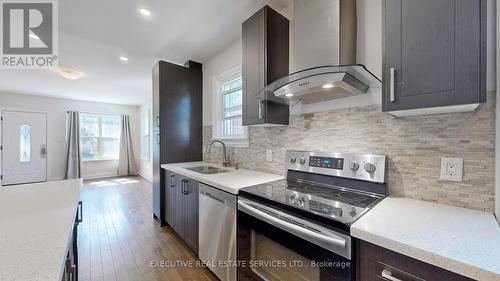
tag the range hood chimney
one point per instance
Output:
(323, 62)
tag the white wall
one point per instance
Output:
(146, 169)
(56, 121)
(224, 60)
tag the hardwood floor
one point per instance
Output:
(119, 239)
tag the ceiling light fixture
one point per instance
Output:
(327, 86)
(289, 95)
(145, 12)
(122, 58)
(70, 74)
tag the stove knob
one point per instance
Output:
(292, 198)
(353, 213)
(370, 168)
(302, 160)
(354, 165)
(293, 159)
(301, 201)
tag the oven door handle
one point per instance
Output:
(289, 226)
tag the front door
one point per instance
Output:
(24, 147)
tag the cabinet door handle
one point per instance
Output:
(172, 183)
(158, 138)
(184, 188)
(80, 212)
(388, 275)
(261, 111)
(72, 273)
(391, 84)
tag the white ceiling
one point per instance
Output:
(94, 33)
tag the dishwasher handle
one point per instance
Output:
(218, 195)
(209, 195)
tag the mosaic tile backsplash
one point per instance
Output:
(414, 146)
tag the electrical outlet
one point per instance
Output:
(452, 169)
(269, 155)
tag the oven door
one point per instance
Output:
(277, 245)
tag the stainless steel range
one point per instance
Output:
(304, 219)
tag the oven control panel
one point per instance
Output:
(326, 162)
(368, 167)
(325, 209)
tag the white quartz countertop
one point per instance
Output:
(36, 223)
(460, 240)
(230, 182)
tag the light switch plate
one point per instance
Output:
(269, 155)
(452, 169)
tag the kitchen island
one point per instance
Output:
(37, 224)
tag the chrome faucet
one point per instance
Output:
(226, 161)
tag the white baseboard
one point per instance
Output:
(100, 176)
(144, 177)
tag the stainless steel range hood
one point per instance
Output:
(323, 60)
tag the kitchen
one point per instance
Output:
(329, 140)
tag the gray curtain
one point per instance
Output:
(126, 165)
(73, 158)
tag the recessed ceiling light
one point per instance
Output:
(145, 12)
(33, 36)
(70, 74)
(328, 86)
(122, 58)
(289, 95)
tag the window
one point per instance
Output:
(100, 137)
(25, 143)
(228, 101)
(145, 134)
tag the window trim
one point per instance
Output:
(100, 137)
(219, 79)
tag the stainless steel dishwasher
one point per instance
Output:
(217, 231)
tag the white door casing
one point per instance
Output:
(24, 147)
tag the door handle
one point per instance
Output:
(391, 84)
(261, 112)
(43, 150)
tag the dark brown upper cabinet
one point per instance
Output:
(434, 56)
(265, 40)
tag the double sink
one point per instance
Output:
(207, 170)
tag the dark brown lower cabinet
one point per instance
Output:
(70, 272)
(376, 263)
(182, 207)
